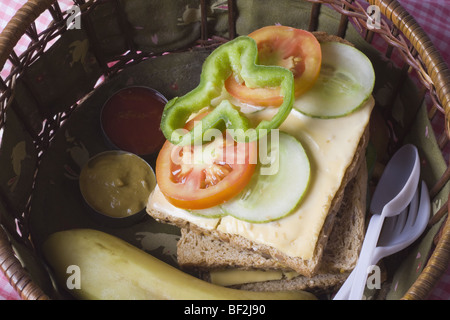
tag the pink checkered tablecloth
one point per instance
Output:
(432, 15)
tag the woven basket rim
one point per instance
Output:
(431, 65)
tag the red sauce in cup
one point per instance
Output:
(131, 120)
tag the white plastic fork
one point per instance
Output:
(398, 233)
(393, 194)
(403, 230)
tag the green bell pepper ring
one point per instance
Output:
(240, 57)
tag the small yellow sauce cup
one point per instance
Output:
(117, 184)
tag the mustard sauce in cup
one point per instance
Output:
(117, 184)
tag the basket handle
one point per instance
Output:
(18, 25)
(435, 65)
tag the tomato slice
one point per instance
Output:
(295, 49)
(203, 176)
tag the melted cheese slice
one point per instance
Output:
(230, 277)
(330, 145)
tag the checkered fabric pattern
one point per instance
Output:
(432, 15)
(9, 8)
(7, 292)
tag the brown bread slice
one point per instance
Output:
(304, 267)
(201, 252)
(307, 268)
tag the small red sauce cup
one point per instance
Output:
(130, 120)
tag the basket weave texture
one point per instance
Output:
(401, 32)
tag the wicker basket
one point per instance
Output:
(404, 38)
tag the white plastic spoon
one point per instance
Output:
(398, 232)
(392, 195)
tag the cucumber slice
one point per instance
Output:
(213, 212)
(345, 82)
(273, 194)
